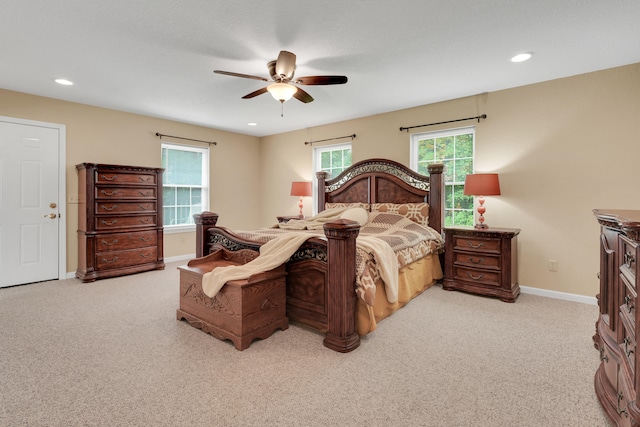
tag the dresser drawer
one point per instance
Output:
(106, 207)
(630, 297)
(117, 222)
(119, 193)
(111, 242)
(628, 259)
(480, 244)
(628, 344)
(485, 277)
(121, 177)
(117, 259)
(477, 260)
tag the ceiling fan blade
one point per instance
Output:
(321, 80)
(255, 93)
(303, 96)
(286, 64)
(244, 76)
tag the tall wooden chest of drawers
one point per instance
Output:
(617, 380)
(119, 220)
(482, 261)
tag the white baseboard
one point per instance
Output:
(180, 258)
(559, 295)
(524, 289)
(72, 274)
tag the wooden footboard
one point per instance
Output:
(319, 296)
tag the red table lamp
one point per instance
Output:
(301, 189)
(482, 184)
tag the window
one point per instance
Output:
(332, 159)
(454, 148)
(185, 184)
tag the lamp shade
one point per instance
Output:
(282, 91)
(301, 189)
(482, 184)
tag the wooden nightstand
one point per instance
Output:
(483, 262)
(287, 218)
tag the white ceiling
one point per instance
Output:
(156, 57)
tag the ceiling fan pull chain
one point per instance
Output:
(281, 108)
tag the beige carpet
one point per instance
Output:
(111, 353)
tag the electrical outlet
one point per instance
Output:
(552, 264)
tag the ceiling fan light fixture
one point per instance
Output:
(282, 91)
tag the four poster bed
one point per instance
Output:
(327, 287)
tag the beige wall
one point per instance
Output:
(100, 135)
(562, 148)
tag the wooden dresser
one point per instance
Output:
(617, 380)
(482, 261)
(119, 220)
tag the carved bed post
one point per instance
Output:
(341, 277)
(322, 177)
(436, 198)
(204, 221)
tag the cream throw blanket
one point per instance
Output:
(278, 251)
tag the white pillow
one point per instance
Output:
(359, 215)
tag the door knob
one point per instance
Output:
(51, 215)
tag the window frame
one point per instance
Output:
(417, 137)
(316, 167)
(181, 228)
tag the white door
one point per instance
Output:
(30, 208)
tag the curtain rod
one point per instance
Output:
(159, 135)
(483, 116)
(330, 139)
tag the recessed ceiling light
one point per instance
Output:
(521, 57)
(252, 124)
(64, 82)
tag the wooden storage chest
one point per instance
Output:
(243, 310)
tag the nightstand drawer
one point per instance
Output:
(477, 260)
(480, 244)
(485, 277)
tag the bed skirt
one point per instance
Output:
(413, 279)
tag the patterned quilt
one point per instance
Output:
(410, 242)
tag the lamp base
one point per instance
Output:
(481, 226)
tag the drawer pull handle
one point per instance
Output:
(106, 208)
(106, 178)
(115, 258)
(145, 220)
(144, 193)
(108, 193)
(145, 255)
(476, 260)
(627, 300)
(478, 246)
(145, 207)
(145, 178)
(146, 239)
(104, 242)
(476, 277)
(603, 357)
(109, 222)
(629, 259)
(619, 410)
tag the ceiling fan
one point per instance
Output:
(282, 72)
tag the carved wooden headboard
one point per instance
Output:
(385, 181)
